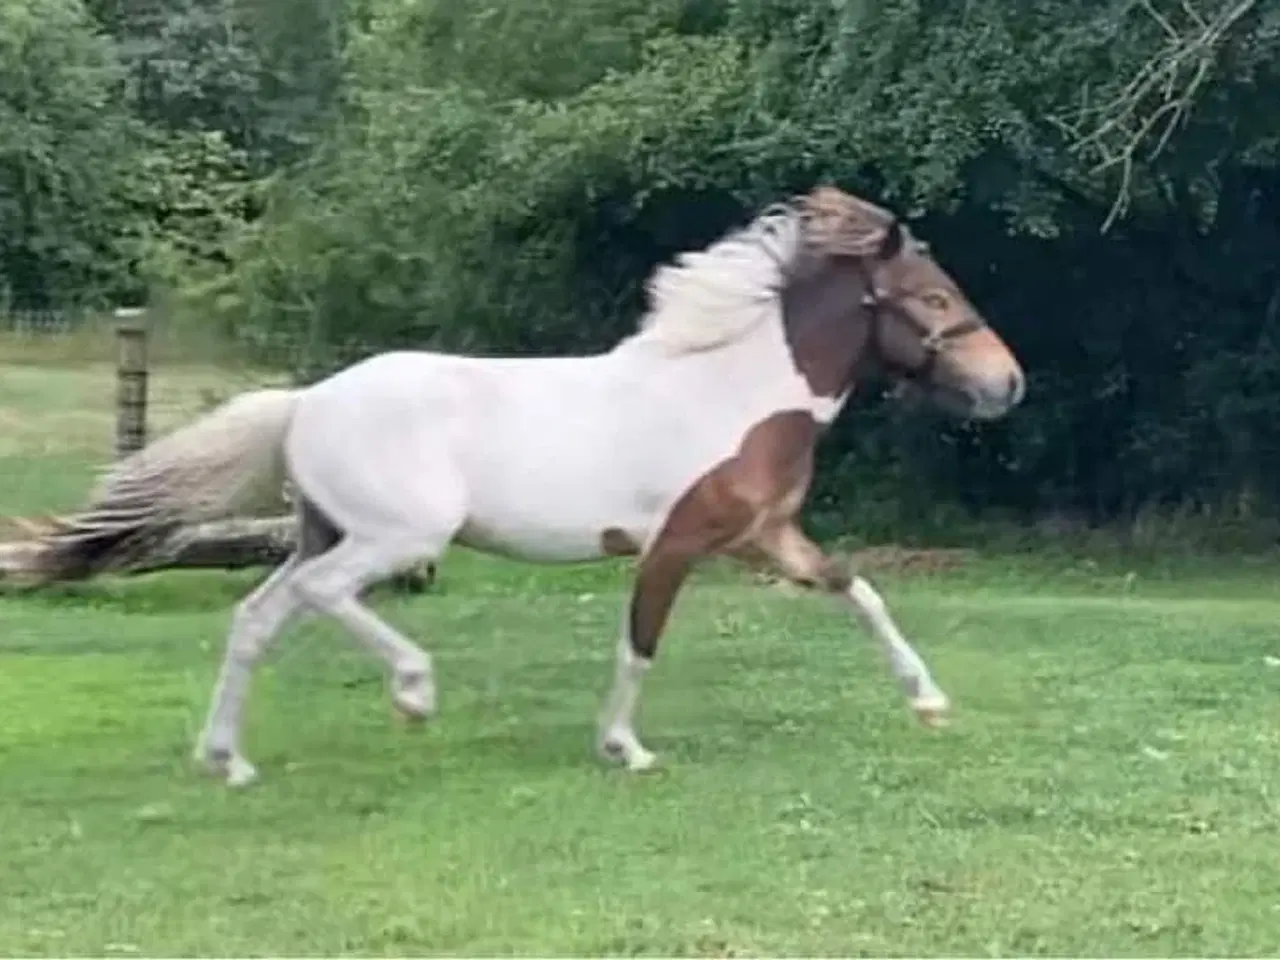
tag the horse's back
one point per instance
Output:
(557, 452)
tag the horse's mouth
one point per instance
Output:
(949, 400)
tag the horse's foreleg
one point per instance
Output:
(804, 562)
(659, 577)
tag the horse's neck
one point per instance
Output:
(829, 346)
(734, 385)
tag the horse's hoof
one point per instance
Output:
(932, 711)
(642, 761)
(240, 773)
(234, 770)
(414, 697)
(413, 713)
(632, 756)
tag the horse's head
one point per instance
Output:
(878, 286)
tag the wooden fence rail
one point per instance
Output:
(44, 322)
(226, 545)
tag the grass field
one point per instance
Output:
(1107, 787)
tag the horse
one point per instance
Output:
(692, 437)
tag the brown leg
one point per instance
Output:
(752, 557)
(804, 562)
(772, 464)
(660, 576)
(799, 559)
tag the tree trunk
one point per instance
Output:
(221, 545)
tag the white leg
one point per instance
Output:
(805, 563)
(928, 701)
(658, 580)
(618, 740)
(330, 584)
(258, 618)
(413, 687)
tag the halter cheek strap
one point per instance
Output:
(933, 342)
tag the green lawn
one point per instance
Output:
(1106, 787)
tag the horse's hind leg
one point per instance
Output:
(376, 545)
(332, 583)
(257, 620)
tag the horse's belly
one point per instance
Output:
(533, 543)
(550, 537)
(553, 509)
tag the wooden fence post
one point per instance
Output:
(131, 381)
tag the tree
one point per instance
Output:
(482, 193)
(65, 151)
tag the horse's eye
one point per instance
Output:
(935, 301)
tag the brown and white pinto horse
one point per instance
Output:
(693, 436)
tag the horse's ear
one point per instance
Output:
(893, 242)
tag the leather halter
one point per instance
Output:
(933, 342)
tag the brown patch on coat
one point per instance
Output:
(827, 316)
(827, 325)
(616, 542)
(763, 484)
(801, 560)
(841, 224)
(767, 478)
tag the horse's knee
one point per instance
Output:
(803, 561)
(249, 631)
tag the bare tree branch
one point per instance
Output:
(1138, 122)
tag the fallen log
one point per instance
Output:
(220, 545)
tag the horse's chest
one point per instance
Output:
(771, 470)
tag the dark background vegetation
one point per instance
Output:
(320, 178)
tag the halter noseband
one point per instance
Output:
(933, 342)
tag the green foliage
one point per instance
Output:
(1100, 174)
(65, 148)
(472, 202)
(95, 205)
(518, 49)
(263, 74)
(192, 194)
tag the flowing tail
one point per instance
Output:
(202, 471)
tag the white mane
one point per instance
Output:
(712, 297)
